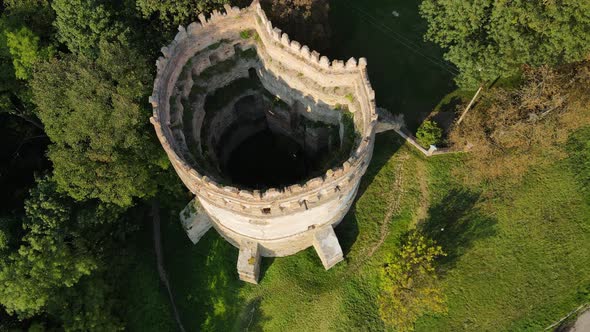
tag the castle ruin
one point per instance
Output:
(270, 137)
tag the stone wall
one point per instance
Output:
(282, 220)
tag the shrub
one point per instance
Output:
(429, 134)
(410, 285)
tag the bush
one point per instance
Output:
(429, 134)
(410, 285)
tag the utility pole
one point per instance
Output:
(470, 104)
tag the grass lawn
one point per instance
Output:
(518, 256)
(296, 293)
(146, 301)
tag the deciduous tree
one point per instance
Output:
(96, 114)
(57, 267)
(487, 38)
(173, 13)
(50, 258)
(25, 50)
(81, 24)
(409, 283)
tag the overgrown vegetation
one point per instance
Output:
(410, 285)
(429, 133)
(246, 34)
(512, 129)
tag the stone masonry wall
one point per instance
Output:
(317, 83)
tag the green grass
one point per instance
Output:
(246, 34)
(517, 259)
(145, 299)
(518, 255)
(295, 293)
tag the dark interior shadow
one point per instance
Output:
(456, 223)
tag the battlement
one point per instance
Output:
(281, 219)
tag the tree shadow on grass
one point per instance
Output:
(456, 223)
(252, 317)
(386, 145)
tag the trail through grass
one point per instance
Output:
(517, 259)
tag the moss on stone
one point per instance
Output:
(246, 34)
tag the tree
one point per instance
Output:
(410, 284)
(24, 48)
(57, 268)
(487, 39)
(25, 38)
(90, 306)
(81, 24)
(95, 113)
(51, 256)
(429, 133)
(173, 13)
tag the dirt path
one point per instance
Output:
(160, 260)
(393, 207)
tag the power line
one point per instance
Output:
(400, 38)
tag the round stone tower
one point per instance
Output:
(228, 80)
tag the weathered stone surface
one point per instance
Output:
(327, 246)
(249, 262)
(278, 221)
(195, 220)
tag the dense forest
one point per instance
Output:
(80, 167)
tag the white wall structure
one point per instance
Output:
(276, 221)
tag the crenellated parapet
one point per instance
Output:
(275, 221)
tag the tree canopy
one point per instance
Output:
(409, 283)
(486, 39)
(48, 260)
(173, 13)
(54, 267)
(81, 24)
(95, 113)
(24, 48)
